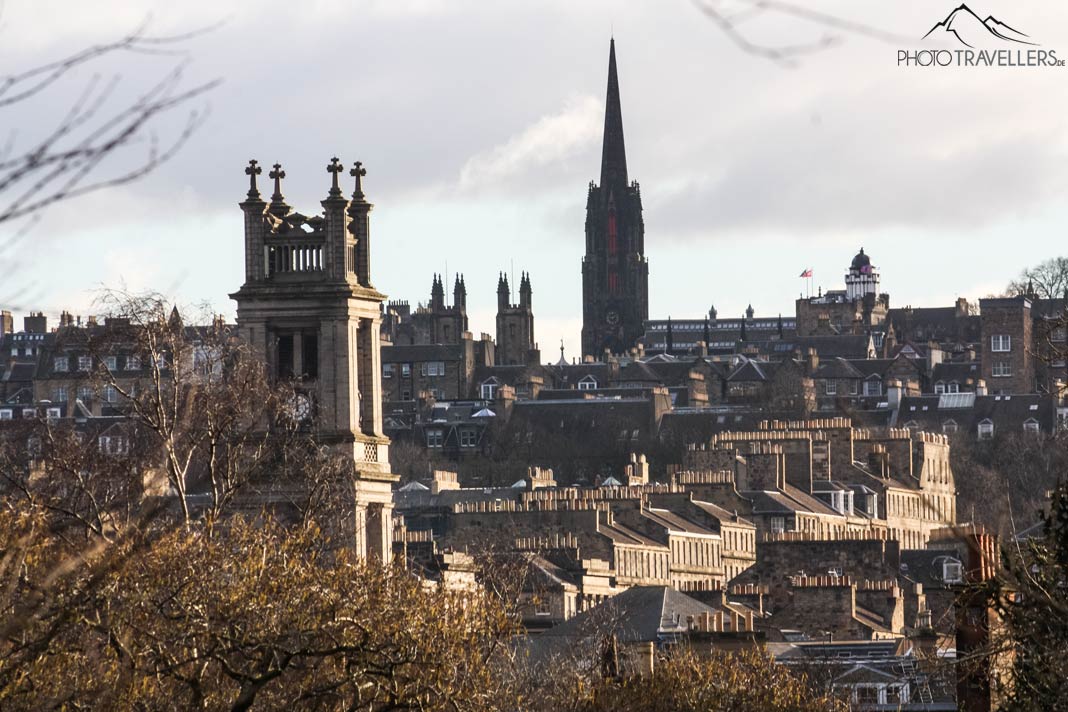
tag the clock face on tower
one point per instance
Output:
(612, 317)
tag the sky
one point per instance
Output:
(480, 124)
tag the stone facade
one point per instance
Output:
(309, 309)
(515, 325)
(1007, 345)
(615, 273)
(858, 309)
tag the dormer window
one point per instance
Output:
(489, 389)
(588, 383)
(952, 387)
(986, 429)
(950, 426)
(952, 571)
(940, 387)
(1031, 426)
(873, 387)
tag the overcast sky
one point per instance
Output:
(480, 126)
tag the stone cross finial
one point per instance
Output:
(252, 170)
(358, 172)
(333, 169)
(277, 174)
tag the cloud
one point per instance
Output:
(550, 140)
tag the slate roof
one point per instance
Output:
(421, 352)
(1008, 413)
(639, 614)
(959, 371)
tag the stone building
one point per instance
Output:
(615, 272)
(308, 307)
(1007, 345)
(515, 325)
(858, 309)
(827, 478)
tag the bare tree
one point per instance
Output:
(101, 140)
(1046, 280)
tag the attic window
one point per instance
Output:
(588, 383)
(952, 571)
(950, 426)
(1030, 425)
(986, 429)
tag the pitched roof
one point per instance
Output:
(639, 614)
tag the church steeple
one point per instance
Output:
(615, 273)
(613, 152)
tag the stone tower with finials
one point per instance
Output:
(515, 325)
(309, 310)
(615, 273)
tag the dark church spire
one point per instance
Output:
(613, 154)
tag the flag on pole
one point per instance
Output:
(807, 272)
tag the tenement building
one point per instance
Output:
(615, 273)
(309, 309)
(828, 479)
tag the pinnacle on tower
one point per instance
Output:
(613, 152)
(278, 202)
(504, 294)
(459, 292)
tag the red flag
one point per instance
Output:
(807, 272)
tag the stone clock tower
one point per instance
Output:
(615, 273)
(309, 310)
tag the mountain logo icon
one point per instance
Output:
(967, 28)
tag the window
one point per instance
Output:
(59, 394)
(5, 414)
(133, 363)
(433, 368)
(85, 363)
(940, 388)
(489, 390)
(1030, 425)
(468, 438)
(952, 571)
(61, 364)
(874, 387)
(852, 388)
(110, 394)
(29, 413)
(55, 413)
(406, 370)
(778, 525)
(831, 388)
(950, 426)
(85, 393)
(1058, 335)
(1001, 343)
(387, 370)
(986, 429)
(1001, 369)
(952, 387)
(111, 362)
(588, 383)
(406, 395)
(112, 444)
(435, 438)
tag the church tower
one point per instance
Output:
(515, 325)
(615, 273)
(309, 310)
